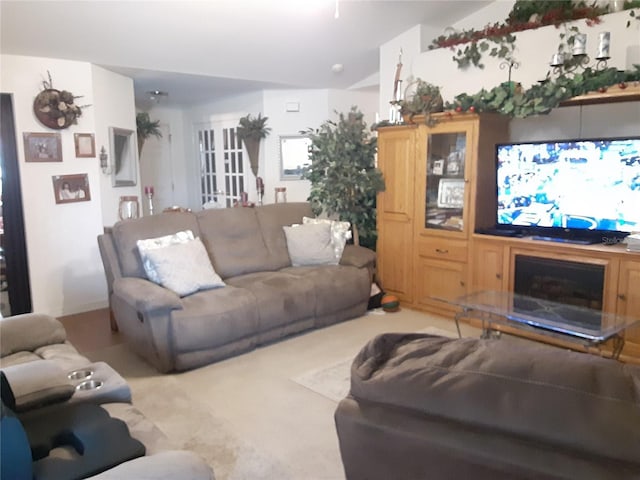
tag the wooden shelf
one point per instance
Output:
(614, 94)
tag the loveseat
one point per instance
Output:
(52, 430)
(261, 296)
(423, 406)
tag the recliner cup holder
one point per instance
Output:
(89, 385)
(82, 374)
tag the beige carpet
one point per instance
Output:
(255, 416)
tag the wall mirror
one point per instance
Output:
(123, 157)
(294, 156)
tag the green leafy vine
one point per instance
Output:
(509, 98)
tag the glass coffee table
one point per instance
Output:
(570, 323)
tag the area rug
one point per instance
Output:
(333, 381)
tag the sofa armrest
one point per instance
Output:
(145, 296)
(165, 465)
(28, 332)
(110, 261)
(357, 256)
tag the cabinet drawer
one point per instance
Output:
(443, 248)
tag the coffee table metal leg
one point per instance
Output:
(618, 345)
(457, 318)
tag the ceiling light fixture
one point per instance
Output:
(336, 15)
(157, 95)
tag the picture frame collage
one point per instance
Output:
(44, 147)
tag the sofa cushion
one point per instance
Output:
(282, 298)
(212, 318)
(542, 393)
(126, 234)
(310, 244)
(336, 287)
(234, 241)
(184, 268)
(271, 219)
(28, 332)
(159, 242)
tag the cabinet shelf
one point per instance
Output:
(613, 94)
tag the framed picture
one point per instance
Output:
(85, 145)
(438, 167)
(451, 193)
(71, 188)
(42, 147)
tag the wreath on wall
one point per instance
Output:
(56, 108)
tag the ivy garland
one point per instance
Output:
(498, 40)
(509, 98)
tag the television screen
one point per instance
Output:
(564, 186)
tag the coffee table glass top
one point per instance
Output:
(594, 326)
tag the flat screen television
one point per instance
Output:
(584, 191)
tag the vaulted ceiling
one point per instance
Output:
(200, 50)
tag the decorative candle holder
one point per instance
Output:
(579, 44)
(260, 189)
(148, 191)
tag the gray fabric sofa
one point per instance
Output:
(265, 297)
(30, 339)
(423, 406)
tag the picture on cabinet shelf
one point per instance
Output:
(455, 163)
(451, 193)
(438, 167)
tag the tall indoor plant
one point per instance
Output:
(251, 131)
(145, 128)
(344, 179)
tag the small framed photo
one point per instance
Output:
(451, 193)
(42, 147)
(438, 167)
(71, 188)
(85, 145)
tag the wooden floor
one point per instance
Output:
(89, 331)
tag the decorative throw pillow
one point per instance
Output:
(152, 243)
(310, 244)
(184, 268)
(340, 233)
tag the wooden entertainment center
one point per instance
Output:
(440, 190)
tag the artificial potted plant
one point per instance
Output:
(343, 176)
(251, 131)
(424, 99)
(145, 128)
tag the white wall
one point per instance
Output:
(113, 107)
(163, 161)
(315, 107)
(533, 50)
(64, 263)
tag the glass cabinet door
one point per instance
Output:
(445, 182)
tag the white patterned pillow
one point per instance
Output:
(340, 233)
(185, 268)
(152, 243)
(310, 244)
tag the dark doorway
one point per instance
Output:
(14, 270)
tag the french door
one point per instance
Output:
(222, 164)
